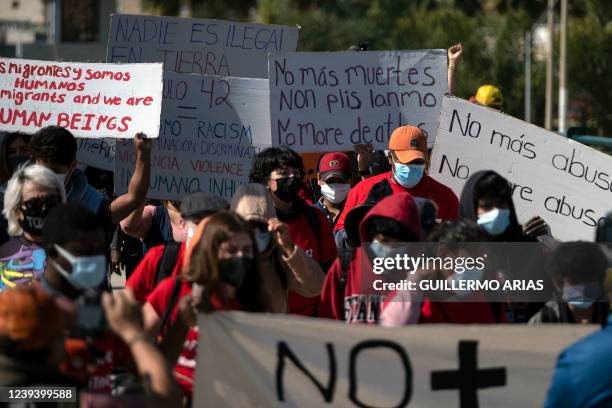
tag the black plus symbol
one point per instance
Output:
(468, 379)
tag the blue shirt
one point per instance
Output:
(583, 376)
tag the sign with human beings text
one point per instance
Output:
(326, 101)
(90, 100)
(565, 182)
(257, 360)
(199, 46)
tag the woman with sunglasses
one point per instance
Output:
(30, 195)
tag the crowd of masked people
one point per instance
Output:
(281, 245)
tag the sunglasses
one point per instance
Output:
(40, 204)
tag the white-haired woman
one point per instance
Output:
(30, 195)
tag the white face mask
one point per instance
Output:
(336, 192)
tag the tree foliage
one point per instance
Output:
(492, 33)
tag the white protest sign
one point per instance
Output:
(90, 100)
(566, 183)
(98, 153)
(201, 46)
(255, 360)
(324, 101)
(211, 129)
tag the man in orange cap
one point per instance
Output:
(408, 157)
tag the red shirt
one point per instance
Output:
(442, 196)
(321, 248)
(184, 369)
(457, 312)
(142, 280)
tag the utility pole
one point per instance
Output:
(562, 70)
(528, 76)
(549, 65)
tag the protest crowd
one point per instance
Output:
(285, 242)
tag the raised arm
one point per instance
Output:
(454, 53)
(135, 197)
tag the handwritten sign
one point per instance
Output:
(322, 101)
(211, 129)
(90, 100)
(201, 46)
(279, 360)
(565, 182)
(98, 153)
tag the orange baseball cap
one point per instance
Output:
(409, 143)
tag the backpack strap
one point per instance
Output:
(167, 261)
(165, 319)
(379, 191)
(313, 222)
(346, 257)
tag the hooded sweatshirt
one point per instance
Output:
(356, 301)
(468, 209)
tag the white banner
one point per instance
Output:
(211, 129)
(201, 46)
(249, 360)
(90, 100)
(325, 101)
(98, 153)
(565, 182)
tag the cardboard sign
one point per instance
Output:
(90, 100)
(98, 153)
(566, 183)
(326, 101)
(211, 129)
(256, 360)
(201, 46)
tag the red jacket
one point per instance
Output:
(320, 246)
(357, 301)
(442, 196)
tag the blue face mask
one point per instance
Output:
(88, 272)
(382, 250)
(408, 175)
(263, 239)
(581, 296)
(495, 221)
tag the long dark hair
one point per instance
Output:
(204, 263)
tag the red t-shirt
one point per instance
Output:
(142, 280)
(442, 196)
(321, 248)
(184, 369)
(457, 312)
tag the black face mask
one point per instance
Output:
(233, 270)
(34, 213)
(15, 161)
(287, 188)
